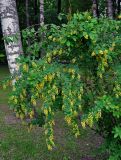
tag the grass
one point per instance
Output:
(3, 94)
(17, 144)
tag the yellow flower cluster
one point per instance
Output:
(117, 90)
(25, 67)
(33, 101)
(98, 115)
(31, 114)
(68, 119)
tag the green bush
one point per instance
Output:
(80, 75)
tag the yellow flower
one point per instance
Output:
(21, 116)
(22, 97)
(63, 107)
(45, 111)
(89, 120)
(86, 36)
(15, 101)
(100, 75)
(75, 113)
(51, 138)
(105, 51)
(93, 54)
(45, 78)
(73, 76)
(68, 120)
(72, 103)
(32, 113)
(4, 86)
(119, 16)
(53, 97)
(33, 102)
(77, 134)
(60, 51)
(50, 37)
(34, 64)
(117, 96)
(54, 52)
(89, 17)
(100, 51)
(24, 92)
(69, 70)
(80, 107)
(25, 67)
(49, 147)
(78, 77)
(41, 85)
(56, 91)
(73, 60)
(79, 97)
(53, 122)
(54, 39)
(49, 60)
(49, 77)
(31, 126)
(50, 109)
(83, 123)
(113, 44)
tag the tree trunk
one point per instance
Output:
(114, 8)
(41, 24)
(27, 19)
(41, 12)
(27, 13)
(119, 8)
(59, 6)
(95, 9)
(110, 8)
(10, 27)
(35, 12)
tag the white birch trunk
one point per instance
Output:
(41, 12)
(10, 27)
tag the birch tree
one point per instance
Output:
(95, 9)
(41, 12)
(110, 8)
(10, 28)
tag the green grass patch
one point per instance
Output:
(4, 73)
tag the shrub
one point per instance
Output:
(80, 75)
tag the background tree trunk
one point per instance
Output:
(110, 8)
(95, 9)
(10, 27)
(27, 13)
(35, 12)
(119, 8)
(41, 12)
(59, 6)
(41, 24)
